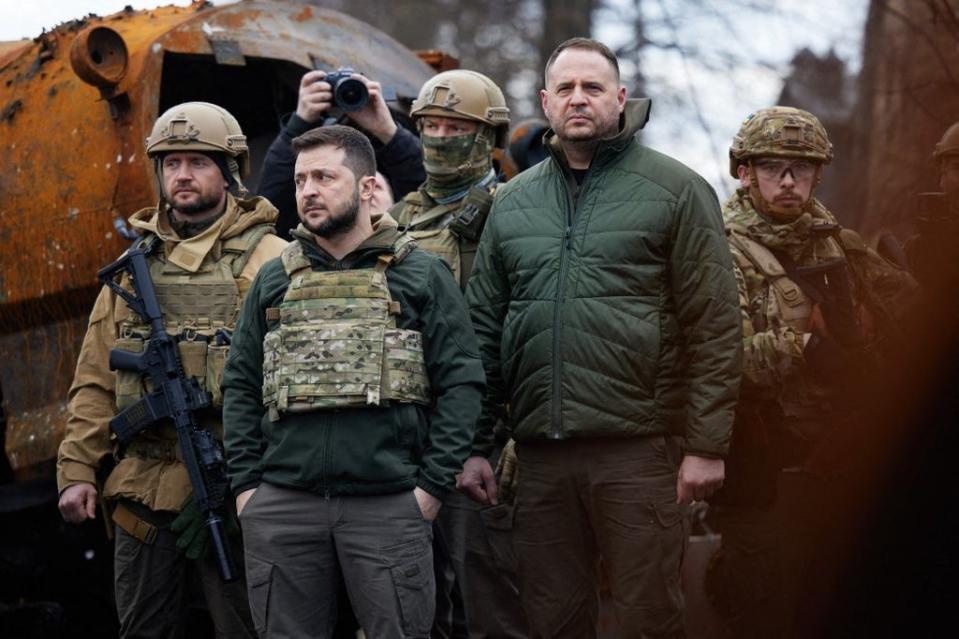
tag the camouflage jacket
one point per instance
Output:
(368, 449)
(776, 311)
(159, 484)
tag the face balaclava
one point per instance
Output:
(453, 164)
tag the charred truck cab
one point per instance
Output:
(76, 104)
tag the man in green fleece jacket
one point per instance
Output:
(351, 391)
(606, 310)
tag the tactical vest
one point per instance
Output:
(786, 300)
(451, 231)
(199, 309)
(337, 344)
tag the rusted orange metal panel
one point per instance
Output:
(72, 162)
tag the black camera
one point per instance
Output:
(349, 93)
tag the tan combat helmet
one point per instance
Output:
(201, 127)
(464, 94)
(949, 144)
(781, 132)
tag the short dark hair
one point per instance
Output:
(359, 156)
(586, 44)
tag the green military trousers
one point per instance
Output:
(586, 498)
(153, 586)
(297, 542)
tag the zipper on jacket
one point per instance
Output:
(566, 247)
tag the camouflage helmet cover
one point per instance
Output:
(200, 126)
(949, 144)
(783, 132)
(465, 94)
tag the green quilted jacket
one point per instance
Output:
(614, 313)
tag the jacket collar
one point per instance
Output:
(190, 253)
(634, 117)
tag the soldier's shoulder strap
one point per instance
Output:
(404, 210)
(240, 249)
(293, 258)
(402, 246)
(760, 257)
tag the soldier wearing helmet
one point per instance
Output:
(817, 306)
(207, 244)
(462, 118)
(928, 253)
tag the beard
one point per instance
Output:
(338, 222)
(203, 202)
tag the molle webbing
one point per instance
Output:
(337, 344)
(196, 308)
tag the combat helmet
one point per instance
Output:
(949, 144)
(464, 94)
(783, 132)
(201, 127)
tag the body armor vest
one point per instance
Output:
(337, 344)
(783, 299)
(451, 231)
(199, 308)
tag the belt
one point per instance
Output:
(133, 525)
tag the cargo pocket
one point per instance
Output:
(215, 362)
(498, 521)
(673, 541)
(415, 589)
(259, 577)
(129, 384)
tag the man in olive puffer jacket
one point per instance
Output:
(605, 305)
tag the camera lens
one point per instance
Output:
(351, 94)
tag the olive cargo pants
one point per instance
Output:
(296, 542)
(152, 586)
(615, 498)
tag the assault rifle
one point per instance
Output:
(832, 284)
(174, 397)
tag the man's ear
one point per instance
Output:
(366, 186)
(743, 172)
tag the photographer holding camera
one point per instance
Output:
(398, 154)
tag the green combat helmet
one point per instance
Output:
(781, 132)
(200, 127)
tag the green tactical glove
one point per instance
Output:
(193, 538)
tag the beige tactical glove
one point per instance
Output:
(507, 473)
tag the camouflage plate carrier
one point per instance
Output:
(337, 344)
(451, 231)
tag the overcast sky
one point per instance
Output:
(696, 110)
